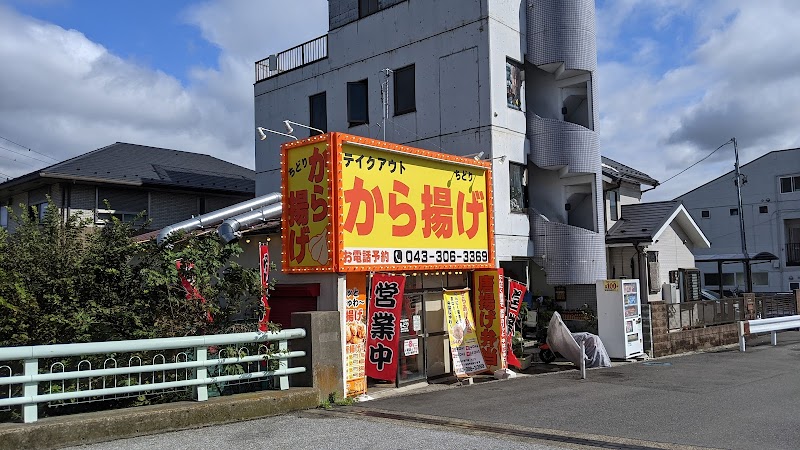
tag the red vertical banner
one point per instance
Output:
(516, 291)
(490, 316)
(263, 258)
(383, 334)
(187, 282)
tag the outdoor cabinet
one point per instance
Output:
(619, 318)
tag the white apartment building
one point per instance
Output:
(771, 212)
(510, 80)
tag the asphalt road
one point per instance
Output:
(719, 399)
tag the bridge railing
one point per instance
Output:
(152, 366)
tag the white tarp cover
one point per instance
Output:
(567, 344)
(561, 341)
(596, 354)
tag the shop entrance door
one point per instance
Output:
(411, 365)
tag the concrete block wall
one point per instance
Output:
(670, 343)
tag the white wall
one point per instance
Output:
(765, 232)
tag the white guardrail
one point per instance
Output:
(771, 325)
(249, 352)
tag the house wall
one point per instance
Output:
(765, 232)
(673, 254)
(167, 208)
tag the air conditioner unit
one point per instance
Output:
(670, 293)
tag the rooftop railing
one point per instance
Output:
(306, 53)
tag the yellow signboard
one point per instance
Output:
(412, 209)
(306, 191)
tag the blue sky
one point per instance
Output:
(677, 78)
(153, 33)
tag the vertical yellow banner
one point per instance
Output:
(464, 348)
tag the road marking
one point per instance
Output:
(579, 440)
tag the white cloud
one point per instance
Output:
(63, 95)
(739, 81)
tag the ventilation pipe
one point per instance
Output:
(215, 217)
(230, 230)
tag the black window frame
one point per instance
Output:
(367, 7)
(522, 197)
(613, 205)
(402, 72)
(734, 211)
(763, 209)
(313, 123)
(705, 214)
(514, 93)
(352, 84)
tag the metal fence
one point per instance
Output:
(104, 371)
(688, 315)
(776, 305)
(306, 53)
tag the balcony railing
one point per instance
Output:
(793, 254)
(306, 53)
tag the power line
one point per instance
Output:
(16, 160)
(698, 162)
(27, 148)
(23, 154)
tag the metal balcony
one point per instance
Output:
(304, 54)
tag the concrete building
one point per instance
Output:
(771, 212)
(124, 180)
(512, 81)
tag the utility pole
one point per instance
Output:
(739, 182)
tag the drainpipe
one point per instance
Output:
(215, 217)
(643, 284)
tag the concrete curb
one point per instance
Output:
(78, 429)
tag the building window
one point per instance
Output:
(734, 211)
(134, 218)
(357, 113)
(317, 105)
(711, 279)
(790, 184)
(518, 188)
(404, 91)
(760, 278)
(38, 211)
(613, 205)
(513, 84)
(763, 210)
(367, 7)
(793, 286)
(4, 216)
(705, 214)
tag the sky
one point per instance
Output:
(677, 79)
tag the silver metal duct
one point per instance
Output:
(215, 217)
(230, 228)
